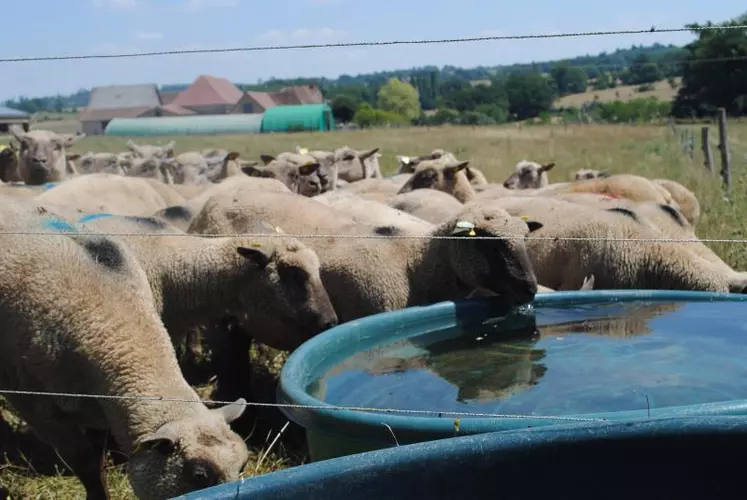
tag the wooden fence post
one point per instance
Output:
(672, 127)
(706, 146)
(691, 145)
(724, 148)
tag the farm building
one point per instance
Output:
(307, 117)
(10, 117)
(209, 95)
(185, 125)
(117, 101)
(259, 102)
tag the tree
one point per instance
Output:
(644, 70)
(569, 80)
(529, 94)
(344, 108)
(401, 98)
(706, 87)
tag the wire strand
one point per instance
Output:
(372, 236)
(295, 406)
(263, 48)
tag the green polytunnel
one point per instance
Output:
(305, 117)
(185, 125)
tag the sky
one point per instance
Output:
(74, 27)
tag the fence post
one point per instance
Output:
(691, 145)
(724, 148)
(706, 146)
(672, 127)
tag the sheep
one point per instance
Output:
(328, 169)
(354, 165)
(9, 163)
(232, 165)
(91, 163)
(147, 150)
(377, 189)
(300, 175)
(407, 165)
(368, 276)
(585, 173)
(683, 197)
(428, 204)
(193, 168)
(151, 167)
(374, 213)
(529, 175)
(78, 317)
(272, 281)
(95, 193)
(444, 176)
(238, 186)
(42, 155)
(562, 264)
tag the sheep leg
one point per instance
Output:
(229, 346)
(76, 449)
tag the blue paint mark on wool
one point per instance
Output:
(49, 185)
(59, 225)
(90, 217)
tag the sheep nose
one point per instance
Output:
(40, 159)
(329, 324)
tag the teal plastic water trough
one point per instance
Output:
(335, 432)
(690, 457)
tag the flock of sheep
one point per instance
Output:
(112, 259)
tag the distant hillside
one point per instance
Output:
(661, 90)
(366, 85)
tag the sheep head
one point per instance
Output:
(528, 175)
(499, 266)
(147, 150)
(188, 454)
(290, 170)
(434, 174)
(9, 163)
(283, 276)
(42, 155)
(354, 162)
(153, 168)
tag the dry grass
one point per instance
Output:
(662, 91)
(650, 151)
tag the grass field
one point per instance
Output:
(662, 91)
(650, 151)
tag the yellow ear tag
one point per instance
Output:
(525, 218)
(3, 147)
(256, 244)
(472, 232)
(303, 151)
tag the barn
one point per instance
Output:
(117, 101)
(10, 117)
(307, 117)
(185, 125)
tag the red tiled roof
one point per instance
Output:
(100, 115)
(262, 98)
(208, 91)
(177, 110)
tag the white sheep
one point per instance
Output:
(365, 276)
(78, 317)
(428, 204)
(147, 150)
(683, 197)
(448, 177)
(563, 264)
(372, 212)
(529, 175)
(297, 172)
(41, 158)
(96, 193)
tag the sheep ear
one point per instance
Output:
(255, 171)
(367, 154)
(255, 256)
(266, 159)
(603, 174)
(232, 411)
(163, 440)
(232, 155)
(72, 157)
(456, 167)
(534, 225)
(547, 167)
(308, 169)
